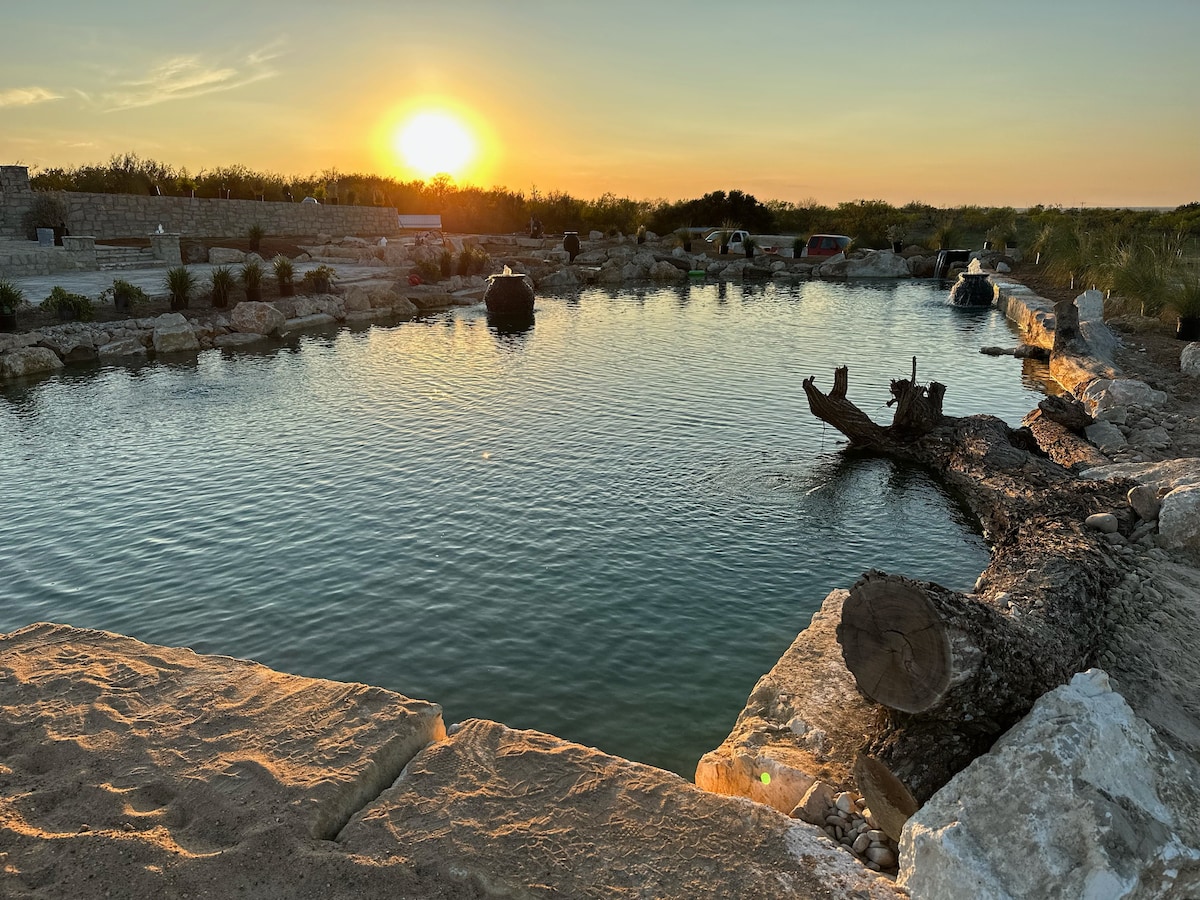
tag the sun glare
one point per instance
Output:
(433, 143)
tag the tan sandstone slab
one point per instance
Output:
(800, 723)
(133, 770)
(526, 815)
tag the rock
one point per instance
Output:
(22, 362)
(224, 256)
(1156, 437)
(1104, 393)
(357, 299)
(563, 278)
(878, 264)
(882, 856)
(1161, 476)
(1105, 523)
(1031, 351)
(255, 317)
(1144, 501)
(844, 802)
(1179, 518)
(237, 341)
(1101, 808)
(664, 271)
(128, 348)
(175, 338)
(1189, 360)
(305, 323)
(507, 810)
(595, 235)
(809, 682)
(1106, 436)
(1003, 268)
(815, 804)
(158, 749)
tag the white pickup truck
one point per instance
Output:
(735, 239)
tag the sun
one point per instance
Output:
(433, 142)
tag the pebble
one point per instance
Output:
(844, 801)
(861, 843)
(883, 856)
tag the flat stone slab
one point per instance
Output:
(148, 769)
(525, 814)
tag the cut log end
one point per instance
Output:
(895, 644)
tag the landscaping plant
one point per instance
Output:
(69, 306)
(179, 285)
(284, 275)
(223, 283)
(252, 273)
(123, 294)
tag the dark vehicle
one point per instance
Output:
(826, 245)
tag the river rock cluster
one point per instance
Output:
(844, 816)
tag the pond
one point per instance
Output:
(606, 527)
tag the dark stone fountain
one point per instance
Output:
(571, 244)
(509, 295)
(973, 287)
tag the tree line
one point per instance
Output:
(498, 210)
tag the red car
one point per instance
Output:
(826, 245)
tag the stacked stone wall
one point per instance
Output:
(125, 215)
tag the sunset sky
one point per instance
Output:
(1006, 102)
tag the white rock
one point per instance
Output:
(664, 271)
(1099, 809)
(1104, 393)
(1189, 360)
(815, 804)
(24, 361)
(879, 264)
(1003, 268)
(123, 348)
(224, 256)
(1179, 518)
(254, 317)
(175, 338)
(844, 802)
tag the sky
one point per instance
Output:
(998, 103)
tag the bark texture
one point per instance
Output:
(952, 671)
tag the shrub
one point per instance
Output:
(429, 270)
(318, 280)
(445, 263)
(473, 260)
(12, 297)
(1185, 296)
(69, 306)
(179, 285)
(223, 283)
(124, 295)
(48, 210)
(284, 273)
(256, 234)
(252, 274)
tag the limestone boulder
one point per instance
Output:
(595, 235)
(1189, 360)
(665, 271)
(238, 341)
(256, 317)
(1080, 799)
(1106, 436)
(13, 341)
(123, 349)
(307, 323)
(879, 264)
(525, 814)
(1104, 393)
(611, 272)
(1179, 518)
(175, 338)
(800, 723)
(1161, 476)
(1144, 501)
(357, 299)
(564, 278)
(22, 362)
(225, 256)
(133, 770)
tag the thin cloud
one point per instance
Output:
(27, 96)
(185, 77)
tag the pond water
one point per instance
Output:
(607, 527)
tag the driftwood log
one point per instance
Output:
(952, 671)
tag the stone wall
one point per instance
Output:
(125, 215)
